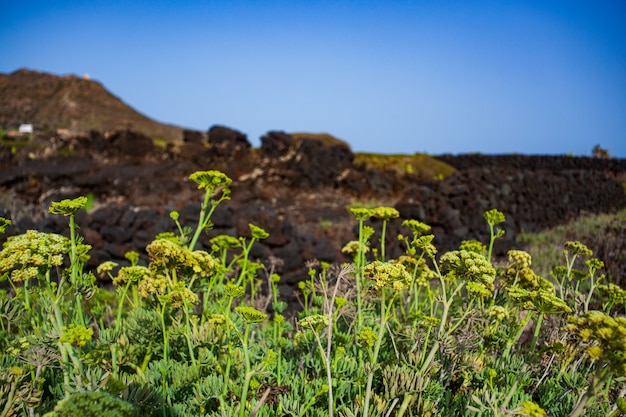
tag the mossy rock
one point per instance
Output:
(420, 165)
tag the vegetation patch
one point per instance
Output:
(195, 332)
(596, 230)
(419, 164)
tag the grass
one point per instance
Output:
(546, 247)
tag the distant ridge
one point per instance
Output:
(78, 105)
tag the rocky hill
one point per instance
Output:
(71, 104)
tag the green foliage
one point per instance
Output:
(546, 247)
(92, 404)
(205, 333)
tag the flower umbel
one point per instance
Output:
(68, 207)
(26, 255)
(250, 314)
(388, 275)
(76, 335)
(210, 180)
(4, 224)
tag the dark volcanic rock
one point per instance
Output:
(221, 135)
(308, 162)
(296, 187)
(194, 136)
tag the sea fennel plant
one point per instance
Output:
(205, 331)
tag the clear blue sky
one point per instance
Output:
(531, 77)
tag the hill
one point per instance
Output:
(75, 104)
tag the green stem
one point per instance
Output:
(374, 358)
(382, 241)
(491, 240)
(201, 221)
(325, 360)
(75, 271)
(248, 377)
(511, 342)
(188, 334)
(587, 398)
(360, 277)
(533, 344)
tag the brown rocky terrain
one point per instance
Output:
(296, 186)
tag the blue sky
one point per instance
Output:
(530, 77)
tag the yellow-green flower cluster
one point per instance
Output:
(250, 314)
(388, 275)
(76, 335)
(425, 244)
(315, 322)
(224, 242)
(167, 255)
(26, 255)
(352, 248)
(132, 257)
(473, 246)
(4, 224)
(494, 217)
(614, 293)
(519, 273)
(361, 213)
(153, 284)
(498, 312)
(233, 290)
(68, 207)
(468, 266)
(519, 259)
(216, 319)
(415, 226)
(418, 268)
(106, 267)
(130, 274)
(542, 300)
(367, 336)
(18, 346)
(428, 321)
(530, 409)
(257, 232)
(606, 334)
(178, 296)
(385, 213)
(210, 180)
(577, 248)
(477, 290)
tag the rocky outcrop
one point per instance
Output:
(306, 161)
(296, 187)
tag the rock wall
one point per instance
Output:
(298, 189)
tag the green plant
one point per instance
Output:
(205, 332)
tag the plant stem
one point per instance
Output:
(360, 277)
(248, 377)
(586, 399)
(201, 221)
(374, 358)
(382, 240)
